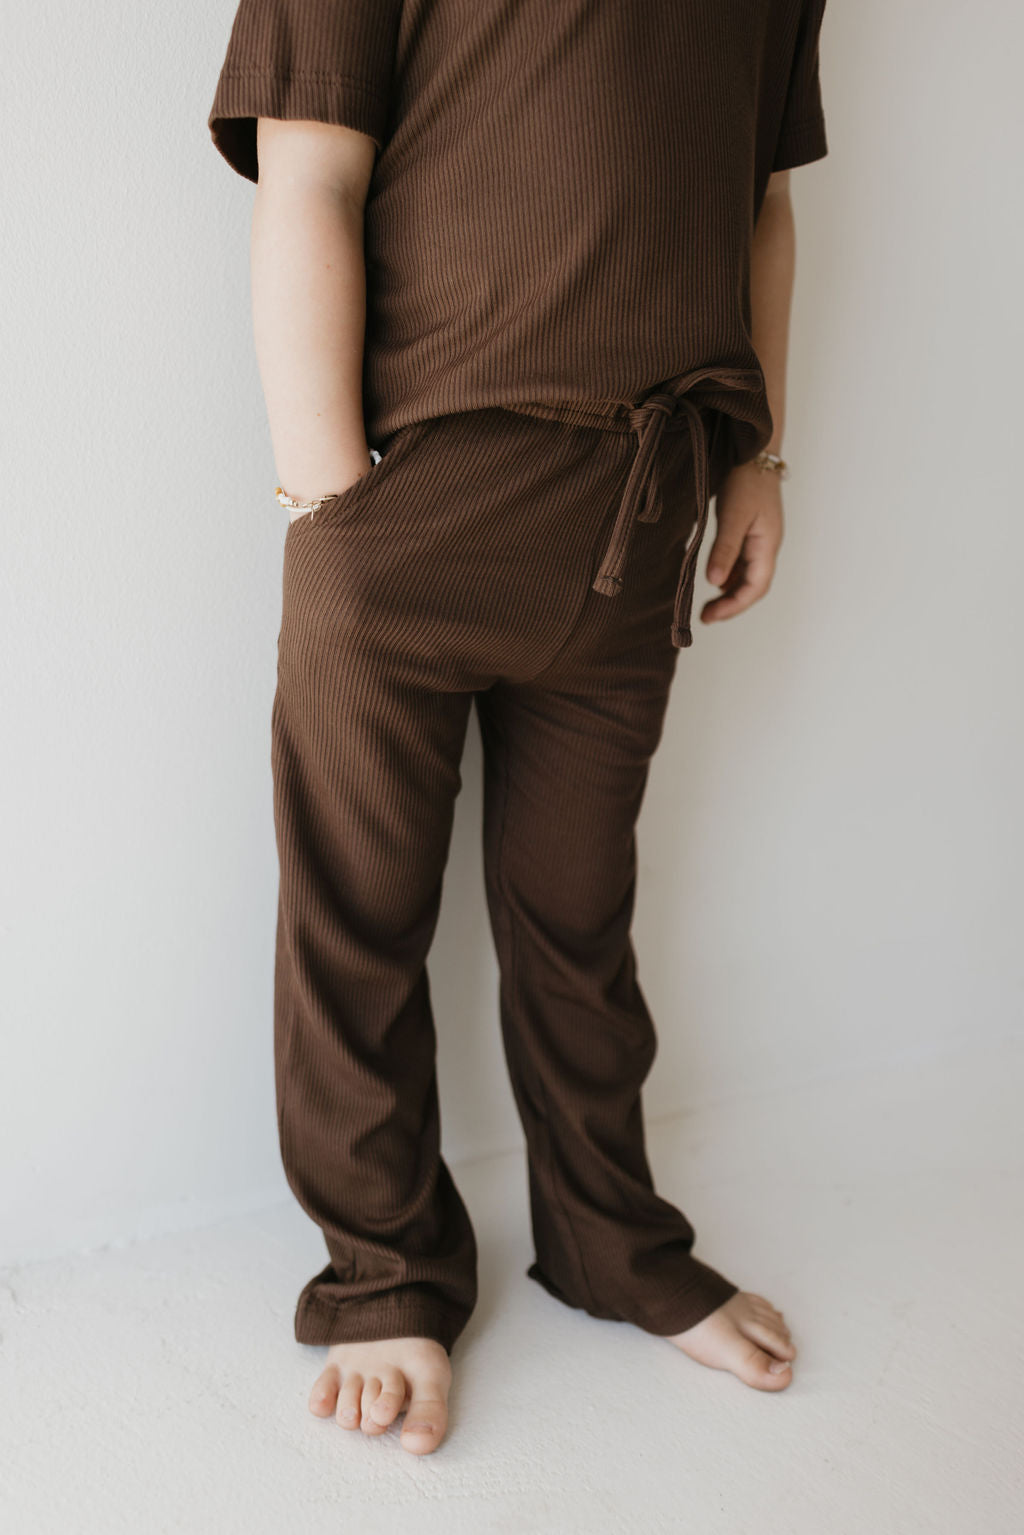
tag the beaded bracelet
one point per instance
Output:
(312, 506)
(302, 506)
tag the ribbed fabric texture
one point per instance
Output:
(563, 202)
(458, 572)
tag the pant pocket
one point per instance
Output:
(346, 505)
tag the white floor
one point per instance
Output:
(159, 1388)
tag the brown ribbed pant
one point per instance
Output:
(458, 570)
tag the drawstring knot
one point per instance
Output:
(642, 495)
(642, 501)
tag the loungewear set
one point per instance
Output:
(558, 374)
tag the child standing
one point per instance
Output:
(539, 254)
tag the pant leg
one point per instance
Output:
(464, 554)
(365, 756)
(567, 756)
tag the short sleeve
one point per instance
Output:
(802, 134)
(328, 61)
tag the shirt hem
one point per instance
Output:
(802, 142)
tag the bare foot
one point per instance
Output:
(745, 1335)
(366, 1385)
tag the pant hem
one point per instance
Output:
(690, 1305)
(368, 1319)
(702, 1292)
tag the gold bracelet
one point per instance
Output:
(772, 461)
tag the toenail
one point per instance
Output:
(349, 1415)
(420, 1428)
(777, 1367)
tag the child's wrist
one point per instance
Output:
(763, 465)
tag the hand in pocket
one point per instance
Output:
(295, 512)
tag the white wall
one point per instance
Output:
(829, 843)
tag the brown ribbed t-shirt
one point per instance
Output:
(564, 196)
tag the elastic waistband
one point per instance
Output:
(608, 415)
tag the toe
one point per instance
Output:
(324, 1395)
(764, 1370)
(425, 1421)
(775, 1340)
(391, 1399)
(349, 1396)
(371, 1392)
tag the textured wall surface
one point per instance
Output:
(827, 847)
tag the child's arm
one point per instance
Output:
(748, 506)
(309, 299)
(772, 265)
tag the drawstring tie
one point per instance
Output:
(642, 497)
(642, 500)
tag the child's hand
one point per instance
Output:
(748, 510)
